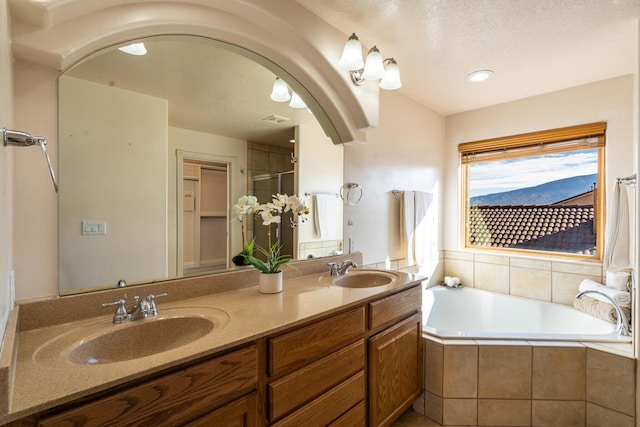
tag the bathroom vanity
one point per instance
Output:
(316, 354)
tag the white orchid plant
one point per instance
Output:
(270, 213)
(246, 205)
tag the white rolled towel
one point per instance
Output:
(622, 298)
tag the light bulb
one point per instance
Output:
(373, 68)
(134, 49)
(280, 92)
(352, 55)
(296, 101)
(391, 78)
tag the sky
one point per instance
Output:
(513, 174)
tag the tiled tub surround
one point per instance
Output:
(251, 315)
(488, 372)
(542, 279)
(528, 383)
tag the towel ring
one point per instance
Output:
(354, 193)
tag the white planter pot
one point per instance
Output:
(270, 283)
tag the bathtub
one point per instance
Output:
(468, 313)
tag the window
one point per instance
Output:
(537, 192)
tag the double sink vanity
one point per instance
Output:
(329, 350)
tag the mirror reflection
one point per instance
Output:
(156, 148)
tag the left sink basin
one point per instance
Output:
(104, 343)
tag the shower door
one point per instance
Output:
(264, 188)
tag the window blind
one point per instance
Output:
(572, 138)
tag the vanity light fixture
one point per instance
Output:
(479, 76)
(374, 68)
(134, 49)
(280, 93)
(296, 101)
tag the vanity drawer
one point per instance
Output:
(172, 399)
(308, 343)
(329, 407)
(394, 307)
(311, 381)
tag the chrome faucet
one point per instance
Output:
(342, 269)
(141, 309)
(622, 326)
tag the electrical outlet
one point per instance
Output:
(352, 245)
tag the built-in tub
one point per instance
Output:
(468, 313)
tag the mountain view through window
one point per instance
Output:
(540, 203)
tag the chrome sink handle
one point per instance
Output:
(151, 299)
(121, 311)
(334, 268)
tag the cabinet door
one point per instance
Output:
(395, 370)
(242, 412)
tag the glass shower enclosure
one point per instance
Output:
(264, 188)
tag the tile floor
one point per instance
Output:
(413, 419)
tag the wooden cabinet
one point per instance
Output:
(178, 398)
(317, 372)
(362, 366)
(395, 370)
(394, 355)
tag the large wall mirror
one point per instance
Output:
(155, 149)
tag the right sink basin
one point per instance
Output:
(365, 279)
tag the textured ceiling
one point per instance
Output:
(533, 46)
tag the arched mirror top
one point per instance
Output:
(60, 33)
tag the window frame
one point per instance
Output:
(574, 138)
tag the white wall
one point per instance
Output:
(320, 170)
(610, 101)
(405, 153)
(6, 171)
(113, 158)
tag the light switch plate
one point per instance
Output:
(94, 227)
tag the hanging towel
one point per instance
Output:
(407, 224)
(422, 233)
(599, 309)
(326, 216)
(616, 250)
(622, 298)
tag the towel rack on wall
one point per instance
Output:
(396, 192)
(18, 138)
(627, 180)
(317, 192)
(353, 193)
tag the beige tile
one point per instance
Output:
(598, 416)
(610, 381)
(559, 373)
(530, 283)
(433, 367)
(493, 412)
(491, 277)
(536, 264)
(464, 256)
(460, 378)
(491, 259)
(580, 268)
(564, 286)
(460, 268)
(411, 419)
(459, 412)
(504, 372)
(433, 407)
(554, 413)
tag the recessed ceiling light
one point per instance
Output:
(134, 49)
(479, 76)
